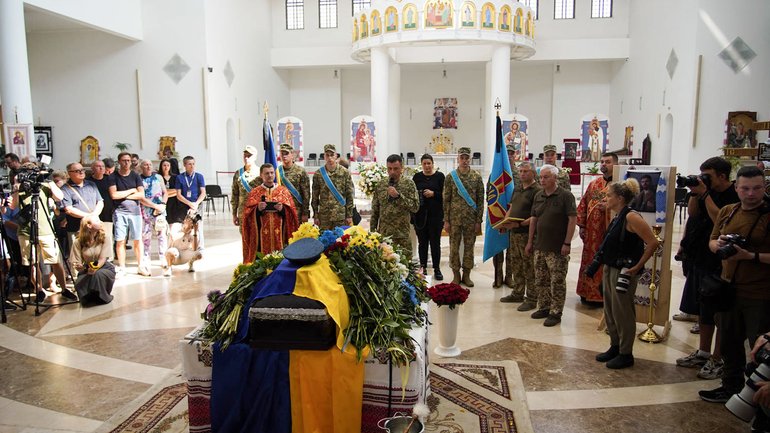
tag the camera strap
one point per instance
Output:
(80, 197)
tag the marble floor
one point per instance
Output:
(70, 369)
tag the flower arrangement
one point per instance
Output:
(448, 294)
(371, 174)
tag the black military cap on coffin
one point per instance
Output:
(304, 251)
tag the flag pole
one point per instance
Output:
(265, 109)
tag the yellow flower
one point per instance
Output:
(306, 230)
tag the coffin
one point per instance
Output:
(288, 322)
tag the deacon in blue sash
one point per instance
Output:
(244, 179)
(332, 200)
(296, 180)
(463, 210)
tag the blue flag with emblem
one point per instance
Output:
(269, 146)
(499, 193)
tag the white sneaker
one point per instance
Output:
(694, 359)
(119, 272)
(166, 271)
(191, 268)
(143, 271)
(713, 369)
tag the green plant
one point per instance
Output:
(122, 147)
(594, 169)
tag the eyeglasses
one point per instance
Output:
(81, 171)
(125, 160)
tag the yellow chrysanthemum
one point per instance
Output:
(305, 230)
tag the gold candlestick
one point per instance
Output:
(649, 335)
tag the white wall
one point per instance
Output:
(531, 95)
(316, 98)
(120, 17)
(356, 100)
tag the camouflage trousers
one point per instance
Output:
(403, 242)
(466, 233)
(523, 268)
(551, 281)
(324, 224)
(503, 257)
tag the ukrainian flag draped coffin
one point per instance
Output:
(499, 193)
(289, 391)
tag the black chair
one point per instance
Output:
(476, 157)
(680, 201)
(312, 159)
(530, 156)
(214, 192)
(410, 155)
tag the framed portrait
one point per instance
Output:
(43, 141)
(17, 138)
(646, 199)
(740, 129)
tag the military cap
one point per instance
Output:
(464, 151)
(251, 150)
(330, 148)
(286, 147)
(510, 148)
(549, 148)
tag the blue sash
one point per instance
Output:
(461, 189)
(285, 181)
(332, 188)
(245, 184)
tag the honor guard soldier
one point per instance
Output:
(332, 200)
(394, 202)
(296, 180)
(243, 181)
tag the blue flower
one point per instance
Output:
(328, 238)
(411, 291)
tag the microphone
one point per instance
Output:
(391, 182)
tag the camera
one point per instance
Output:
(692, 180)
(729, 250)
(195, 217)
(742, 404)
(594, 266)
(29, 179)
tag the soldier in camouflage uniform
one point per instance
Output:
(393, 203)
(554, 217)
(461, 220)
(549, 157)
(248, 175)
(328, 212)
(294, 175)
(506, 256)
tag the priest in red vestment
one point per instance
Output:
(593, 217)
(269, 217)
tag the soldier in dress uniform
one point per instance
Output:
(243, 181)
(549, 157)
(393, 203)
(332, 200)
(296, 180)
(463, 210)
(506, 256)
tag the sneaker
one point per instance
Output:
(69, 295)
(552, 320)
(527, 306)
(119, 272)
(512, 298)
(143, 271)
(167, 271)
(695, 329)
(713, 369)
(717, 395)
(684, 317)
(191, 268)
(540, 314)
(695, 359)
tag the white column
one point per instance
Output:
(380, 91)
(394, 112)
(14, 68)
(499, 88)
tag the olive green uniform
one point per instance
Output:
(301, 182)
(326, 208)
(392, 216)
(462, 217)
(238, 192)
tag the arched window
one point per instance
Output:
(295, 14)
(327, 14)
(601, 8)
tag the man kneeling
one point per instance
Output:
(184, 244)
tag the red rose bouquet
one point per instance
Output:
(448, 294)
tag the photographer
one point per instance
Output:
(29, 179)
(627, 246)
(745, 272)
(709, 192)
(184, 244)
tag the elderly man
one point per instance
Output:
(522, 264)
(550, 238)
(393, 204)
(505, 256)
(246, 178)
(593, 218)
(549, 157)
(332, 199)
(296, 180)
(81, 199)
(463, 210)
(269, 216)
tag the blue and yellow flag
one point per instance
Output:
(499, 193)
(269, 146)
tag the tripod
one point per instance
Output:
(7, 270)
(34, 254)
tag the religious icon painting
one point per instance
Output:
(376, 23)
(468, 18)
(438, 13)
(355, 29)
(409, 15)
(594, 136)
(391, 19)
(166, 147)
(89, 150)
(445, 113)
(43, 141)
(740, 129)
(518, 21)
(505, 19)
(363, 139)
(364, 27)
(290, 131)
(18, 138)
(515, 134)
(529, 25)
(488, 16)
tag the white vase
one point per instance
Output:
(447, 331)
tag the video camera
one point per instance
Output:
(742, 404)
(692, 180)
(29, 179)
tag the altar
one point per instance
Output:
(445, 162)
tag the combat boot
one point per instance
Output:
(456, 279)
(498, 278)
(467, 278)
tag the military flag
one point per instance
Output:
(499, 193)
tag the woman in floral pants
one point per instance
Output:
(153, 216)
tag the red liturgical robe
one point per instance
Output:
(267, 231)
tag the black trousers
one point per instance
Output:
(747, 319)
(430, 235)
